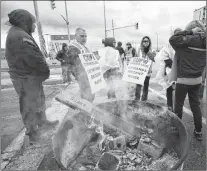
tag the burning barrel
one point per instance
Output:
(137, 136)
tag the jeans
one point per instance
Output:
(145, 90)
(193, 95)
(66, 73)
(169, 94)
(31, 101)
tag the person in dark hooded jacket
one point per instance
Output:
(190, 53)
(66, 67)
(27, 69)
(121, 53)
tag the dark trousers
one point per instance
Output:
(145, 90)
(31, 101)
(66, 73)
(193, 95)
(169, 94)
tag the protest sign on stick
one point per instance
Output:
(137, 70)
(93, 70)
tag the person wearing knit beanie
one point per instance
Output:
(28, 70)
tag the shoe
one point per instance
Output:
(47, 125)
(34, 138)
(170, 108)
(198, 135)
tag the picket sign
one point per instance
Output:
(94, 72)
(137, 70)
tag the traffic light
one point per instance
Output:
(53, 4)
(137, 26)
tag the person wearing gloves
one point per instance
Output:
(190, 59)
(166, 56)
(63, 58)
(145, 52)
(110, 63)
(28, 70)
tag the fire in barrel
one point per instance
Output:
(121, 135)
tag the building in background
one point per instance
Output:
(200, 14)
(54, 43)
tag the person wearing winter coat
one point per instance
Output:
(28, 70)
(110, 62)
(190, 58)
(78, 46)
(121, 53)
(129, 52)
(66, 68)
(166, 56)
(145, 52)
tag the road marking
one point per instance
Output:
(186, 110)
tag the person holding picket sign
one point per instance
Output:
(145, 51)
(110, 62)
(75, 48)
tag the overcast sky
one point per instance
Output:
(153, 17)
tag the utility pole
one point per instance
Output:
(39, 28)
(67, 23)
(113, 28)
(157, 42)
(105, 19)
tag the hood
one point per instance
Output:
(22, 19)
(109, 42)
(63, 45)
(119, 44)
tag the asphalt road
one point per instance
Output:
(11, 124)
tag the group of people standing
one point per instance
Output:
(145, 51)
(183, 67)
(184, 62)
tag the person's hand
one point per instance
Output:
(152, 55)
(63, 60)
(196, 30)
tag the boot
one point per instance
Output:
(47, 125)
(33, 135)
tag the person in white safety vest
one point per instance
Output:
(129, 53)
(75, 48)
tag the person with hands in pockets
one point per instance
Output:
(28, 70)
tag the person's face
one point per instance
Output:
(33, 27)
(128, 46)
(145, 42)
(66, 48)
(81, 37)
(114, 43)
